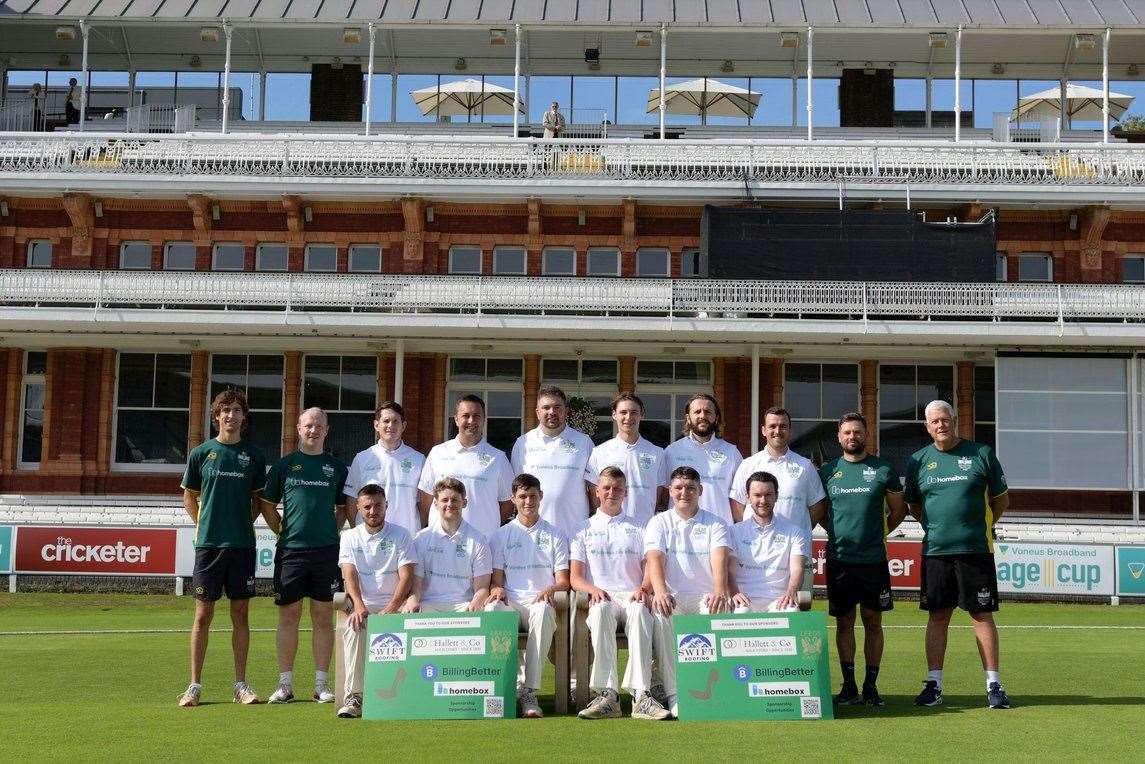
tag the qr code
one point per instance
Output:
(811, 708)
(494, 707)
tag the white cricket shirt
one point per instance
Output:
(762, 554)
(643, 465)
(799, 484)
(449, 563)
(530, 557)
(611, 549)
(397, 472)
(687, 546)
(484, 471)
(377, 557)
(558, 462)
(716, 461)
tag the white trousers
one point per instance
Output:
(541, 621)
(353, 659)
(602, 620)
(664, 638)
(765, 606)
(443, 607)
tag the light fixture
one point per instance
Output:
(336, 64)
(216, 213)
(997, 69)
(1073, 221)
(195, 62)
(98, 209)
(498, 37)
(939, 40)
(429, 214)
(728, 66)
(308, 214)
(789, 39)
(65, 60)
(1084, 41)
(868, 67)
(1132, 71)
(3, 208)
(892, 64)
(591, 54)
(209, 34)
(460, 65)
(580, 217)
(643, 38)
(65, 33)
(351, 35)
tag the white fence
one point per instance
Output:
(160, 118)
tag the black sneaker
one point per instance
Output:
(871, 696)
(848, 696)
(931, 694)
(996, 696)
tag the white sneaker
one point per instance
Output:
(284, 693)
(245, 695)
(673, 707)
(190, 696)
(353, 707)
(604, 706)
(647, 707)
(323, 693)
(527, 701)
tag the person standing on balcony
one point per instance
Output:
(641, 461)
(707, 453)
(36, 96)
(391, 464)
(72, 102)
(554, 121)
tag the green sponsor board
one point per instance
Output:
(6, 537)
(753, 666)
(1131, 571)
(441, 666)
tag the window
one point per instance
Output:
(984, 431)
(39, 253)
(591, 380)
(1035, 267)
(509, 261)
(817, 394)
(31, 440)
(904, 392)
(465, 260)
(690, 263)
(135, 255)
(179, 256)
(152, 402)
(664, 386)
(347, 388)
(1133, 269)
(321, 258)
(603, 261)
(365, 258)
(1000, 266)
(228, 257)
(270, 257)
(260, 377)
(558, 261)
(498, 382)
(652, 263)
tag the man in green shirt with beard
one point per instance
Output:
(309, 484)
(864, 504)
(957, 491)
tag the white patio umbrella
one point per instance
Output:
(465, 97)
(706, 97)
(1082, 103)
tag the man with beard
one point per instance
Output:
(707, 453)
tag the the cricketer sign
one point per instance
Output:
(441, 666)
(753, 666)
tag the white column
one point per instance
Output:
(262, 95)
(929, 100)
(794, 98)
(399, 368)
(517, 80)
(1105, 86)
(370, 78)
(1064, 115)
(85, 30)
(227, 31)
(958, 85)
(810, 80)
(393, 97)
(754, 398)
(130, 88)
(663, 73)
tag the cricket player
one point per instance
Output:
(377, 560)
(864, 504)
(220, 493)
(707, 453)
(391, 464)
(607, 564)
(686, 552)
(957, 490)
(483, 470)
(453, 560)
(530, 565)
(641, 461)
(770, 553)
(308, 483)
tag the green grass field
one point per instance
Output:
(1074, 672)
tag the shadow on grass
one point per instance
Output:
(903, 705)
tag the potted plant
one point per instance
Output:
(1132, 129)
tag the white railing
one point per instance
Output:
(21, 116)
(693, 298)
(160, 118)
(482, 158)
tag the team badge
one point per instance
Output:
(485, 459)
(811, 644)
(964, 463)
(212, 455)
(501, 643)
(868, 474)
(645, 461)
(984, 597)
(296, 468)
(837, 475)
(793, 469)
(717, 457)
(328, 470)
(568, 445)
(244, 458)
(406, 465)
(932, 465)
(460, 551)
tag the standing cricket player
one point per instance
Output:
(530, 565)
(641, 461)
(453, 560)
(864, 504)
(220, 493)
(707, 453)
(391, 464)
(308, 483)
(769, 553)
(957, 490)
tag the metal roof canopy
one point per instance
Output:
(273, 44)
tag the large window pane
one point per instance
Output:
(935, 383)
(466, 368)
(359, 383)
(816, 440)
(509, 261)
(172, 380)
(320, 387)
(349, 434)
(654, 372)
(557, 370)
(39, 253)
(898, 441)
(271, 257)
(897, 393)
(465, 260)
(801, 389)
(151, 437)
(264, 429)
(136, 379)
(135, 255)
(179, 256)
(321, 258)
(365, 258)
(505, 368)
(984, 393)
(229, 257)
(603, 372)
(840, 389)
(227, 371)
(33, 430)
(603, 261)
(558, 261)
(264, 382)
(652, 263)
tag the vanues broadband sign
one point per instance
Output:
(96, 551)
(1054, 568)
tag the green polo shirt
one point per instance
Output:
(856, 519)
(225, 475)
(309, 488)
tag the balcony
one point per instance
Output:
(338, 166)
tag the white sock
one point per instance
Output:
(321, 677)
(286, 678)
(935, 675)
(992, 676)
(195, 686)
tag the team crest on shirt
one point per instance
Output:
(406, 464)
(837, 475)
(718, 457)
(328, 470)
(485, 459)
(645, 460)
(296, 468)
(964, 463)
(568, 445)
(212, 455)
(543, 539)
(932, 465)
(793, 469)
(244, 458)
(869, 474)
(460, 551)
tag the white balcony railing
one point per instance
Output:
(691, 298)
(160, 118)
(771, 161)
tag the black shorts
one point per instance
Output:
(312, 573)
(968, 581)
(857, 583)
(223, 568)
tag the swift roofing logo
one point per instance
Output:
(1054, 568)
(112, 551)
(696, 648)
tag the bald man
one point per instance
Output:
(308, 483)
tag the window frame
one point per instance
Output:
(1139, 258)
(357, 249)
(124, 245)
(588, 262)
(678, 391)
(590, 391)
(667, 262)
(367, 413)
(823, 418)
(258, 255)
(215, 256)
(514, 250)
(1044, 257)
(118, 466)
(208, 425)
(306, 267)
(1001, 267)
(456, 249)
(28, 379)
(482, 387)
(545, 271)
(30, 245)
(919, 422)
(167, 255)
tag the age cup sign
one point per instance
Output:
(752, 666)
(441, 666)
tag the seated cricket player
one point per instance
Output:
(606, 562)
(453, 561)
(530, 564)
(686, 554)
(770, 552)
(377, 560)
